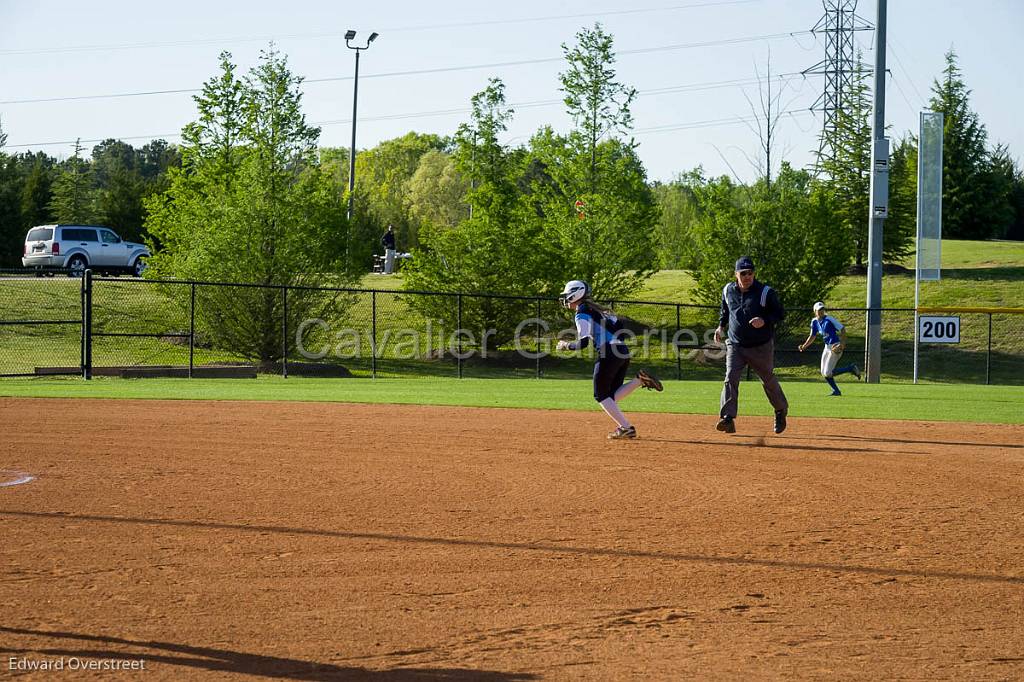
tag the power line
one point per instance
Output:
(406, 29)
(692, 87)
(421, 72)
(712, 123)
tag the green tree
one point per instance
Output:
(73, 199)
(36, 191)
(900, 229)
(787, 229)
(597, 102)
(679, 209)
(612, 247)
(969, 209)
(251, 204)
(1016, 229)
(499, 249)
(384, 174)
(437, 192)
(1001, 184)
(120, 188)
(11, 235)
(216, 139)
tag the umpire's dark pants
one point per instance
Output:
(762, 360)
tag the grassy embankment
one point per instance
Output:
(975, 274)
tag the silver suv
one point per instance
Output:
(77, 247)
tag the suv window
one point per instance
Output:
(109, 237)
(40, 234)
(78, 234)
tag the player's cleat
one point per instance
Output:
(834, 393)
(649, 381)
(623, 432)
(726, 424)
(856, 372)
(780, 421)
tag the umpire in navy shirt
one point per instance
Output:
(750, 311)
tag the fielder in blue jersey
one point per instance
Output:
(833, 334)
(598, 325)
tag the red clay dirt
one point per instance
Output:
(325, 541)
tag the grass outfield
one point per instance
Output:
(923, 402)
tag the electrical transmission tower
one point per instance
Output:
(838, 26)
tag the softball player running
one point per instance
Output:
(833, 334)
(598, 325)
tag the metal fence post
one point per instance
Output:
(458, 333)
(284, 332)
(373, 335)
(537, 349)
(192, 330)
(87, 324)
(988, 354)
(679, 356)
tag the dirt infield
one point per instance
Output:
(337, 541)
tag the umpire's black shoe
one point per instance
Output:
(780, 421)
(726, 424)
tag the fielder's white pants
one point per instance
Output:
(389, 261)
(829, 360)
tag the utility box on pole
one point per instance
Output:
(880, 178)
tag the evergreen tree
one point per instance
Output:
(74, 199)
(36, 191)
(11, 235)
(1003, 186)
(969, 209)
(899, 233)
(120, 188)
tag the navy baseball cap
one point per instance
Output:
(745, 263)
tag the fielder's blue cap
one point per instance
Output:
(745, 263)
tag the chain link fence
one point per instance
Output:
(40, 324)
(132, 327)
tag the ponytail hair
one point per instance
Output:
(604, 310)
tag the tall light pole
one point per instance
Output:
(349, 36)
(879, 207)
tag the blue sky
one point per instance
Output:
(689, 60)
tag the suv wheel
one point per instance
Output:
(76, 266)
(138, 267)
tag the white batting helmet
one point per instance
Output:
(574, 291)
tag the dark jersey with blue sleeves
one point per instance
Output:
(829, 328)
(601, 328)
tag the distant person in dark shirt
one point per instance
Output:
(388, 242)
(750, 311)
